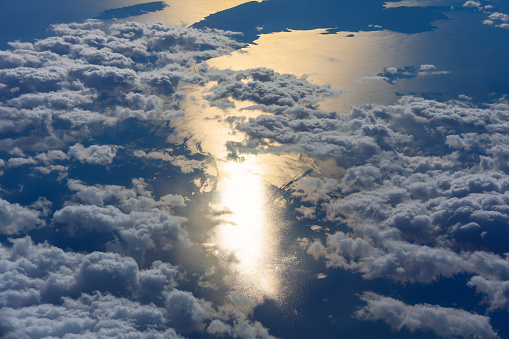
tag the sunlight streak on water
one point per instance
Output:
(186, 13)
(242, 194)
(249, 226)
(247, 232)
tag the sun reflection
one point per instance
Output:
(355, 55)
(246, 231)
(248, 238)
(243, 196)
(179, 13)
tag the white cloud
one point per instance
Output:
(17, 162)
(49, 296)
(90, 316)
(138, 230)
(218, 328)
(499, 16)
(60, 100)
(138, 220)
(48, 292)
(186, 311)
(496, 19)
(496, 292)
(51, 156)
(472, 3)
(94, 154)
(373, 78)
(267, 88)
(422, 185)
(427, 67)
(391, 70)
(443, 321)
(417, 180)
(63, 76)
(185, 164)
(16, 219)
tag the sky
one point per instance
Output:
(254, 169)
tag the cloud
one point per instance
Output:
(185, 164)
(89, 316)
(56, 81)
(472, 3)
(361, 177)
(187, 312)
(140, 221)
(499, 16)
(421, 190)
(241, 328)
(139, 197)
(17, 162)
(314, 189)
(60, 98)
(50, 297)
(51, 156)
(266, 87)
(54, 274)
(444, 322)
(134, 226)
(495, 292)
(392, 74)
(49, 292)
(94, 154)
(104, 77)
(218, 328)
(421, 187)
(399, 260)
(496, 19)
(16, 219)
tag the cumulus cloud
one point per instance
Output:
(51, 156)
(94, 154)
(444, 322)
(392, 74)
(472, 3)
(137, 198)
(89, 316)
(127, 199)
(407, 206)
(50, 298)
(496, 292)
(132, 214)
(54, 274)
(421, 188)
(16, 162)
(315, 189)
(268, 88)
(58, 95)
(48, 292)
(140, 230)
(98, 73)
(185, 164)
(400, 260)
(421, 192)
(16, 219)
(494, 17)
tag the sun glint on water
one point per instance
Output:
(246, 231)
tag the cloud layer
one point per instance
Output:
(421, 191)
(58, 97)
